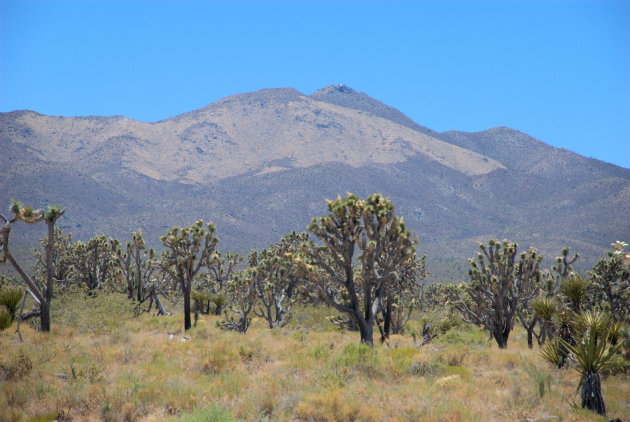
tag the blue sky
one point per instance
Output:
(557, 70)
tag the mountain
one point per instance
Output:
(261, 164)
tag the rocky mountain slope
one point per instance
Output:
(261, 164)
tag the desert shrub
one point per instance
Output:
(454, 356)
(469, 336)
(206, 414)
(462, 371)
(5, 318)
(426, 369)
(16, 367)
(97, 312)
(11, 298)
(320, 351)
(359, 358)
(336, 406)
(219, 358)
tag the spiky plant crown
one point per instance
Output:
(53, 212)
(575, 288)
(545, 308)
(15, 207)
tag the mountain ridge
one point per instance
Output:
(261, 164)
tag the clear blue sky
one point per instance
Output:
(557, 70)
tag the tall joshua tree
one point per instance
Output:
(383, 243)
(41, 291)
(499, 281)
(189, 249)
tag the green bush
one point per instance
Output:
(97, 312)
(359, 359)
(11, 298)
(465, 336)
(208, 414)
(5, 318)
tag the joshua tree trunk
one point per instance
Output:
(592, 393)
(366, 328)
(387, 324)
(501, 336)
(44, 316)
(187, 321)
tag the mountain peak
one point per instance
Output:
(334, 89)
(344, 96)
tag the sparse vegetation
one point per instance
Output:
(107, 358)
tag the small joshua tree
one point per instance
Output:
(41, 291)
(499, 281)
(188, 250)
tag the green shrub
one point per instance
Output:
(464, 336)
(5, 318)
(359, 359)
(11, 298)
(208, 414)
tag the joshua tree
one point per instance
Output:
(498, 283)
(591, 354)
(242, 297)
(276, 278)
(189, 249)
(402, 297)
(134, 267)
(212, 284)
(61, 258)
(92, 262)
(384, 245)
(40, 291)
(611, 281)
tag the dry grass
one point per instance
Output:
(131, 371)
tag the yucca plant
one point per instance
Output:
(545, 308)
(11, 298)
(575, 289)
(591, 354)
